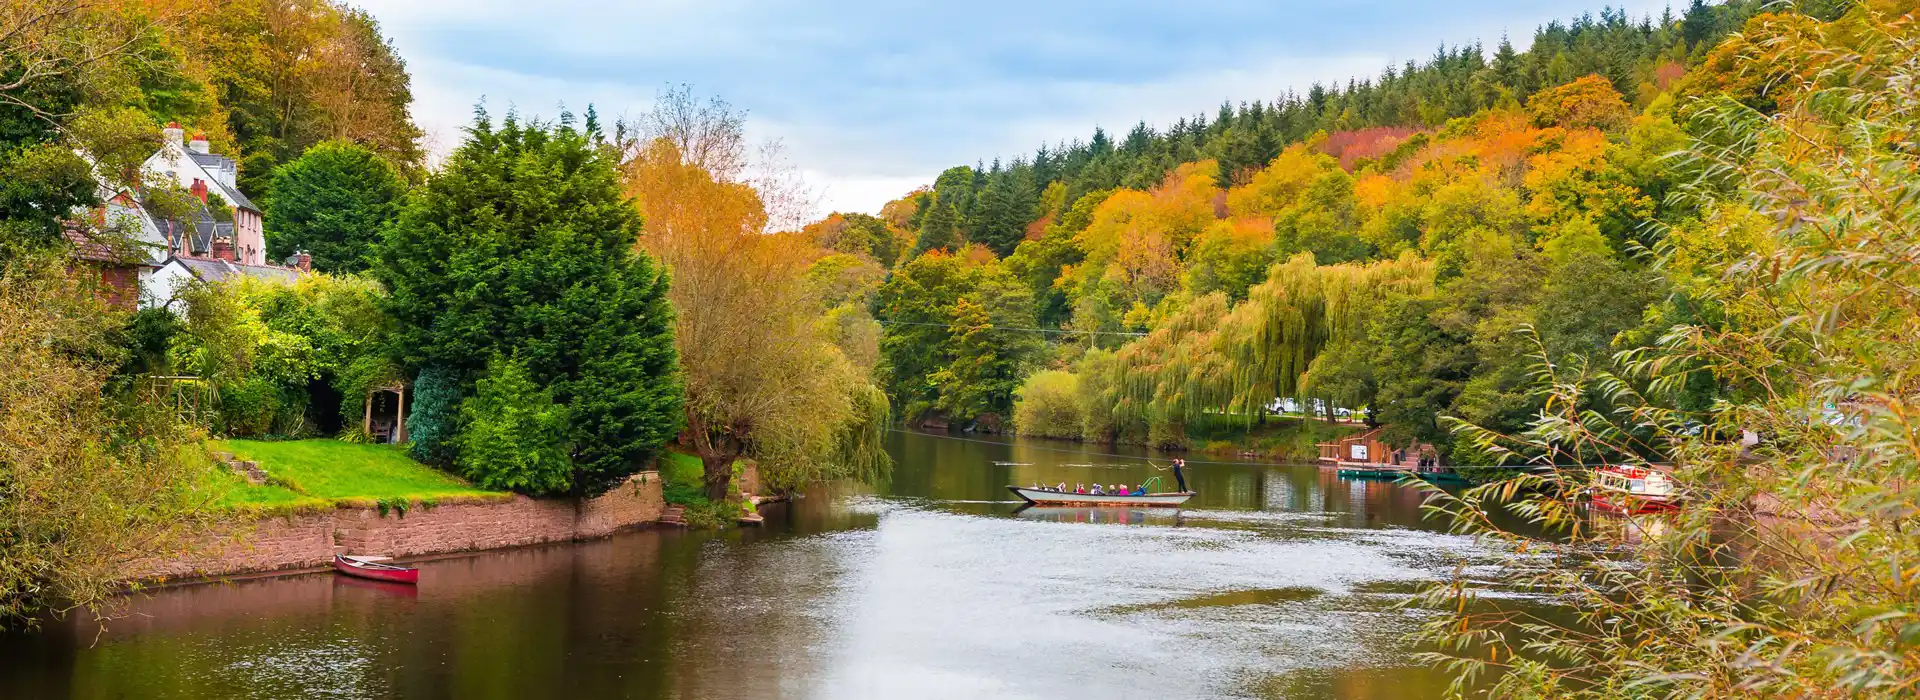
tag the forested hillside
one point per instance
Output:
(1412, 245)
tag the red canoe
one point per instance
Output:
(365, 567)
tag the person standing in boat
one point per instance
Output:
(1179, 475)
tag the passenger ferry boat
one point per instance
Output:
(1633, 490)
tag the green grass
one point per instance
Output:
(319, 473)
(682, 479)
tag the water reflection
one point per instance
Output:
(1276, 582)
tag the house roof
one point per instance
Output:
(94, 249)
(211, 162)
(199, 231)
(223, 270)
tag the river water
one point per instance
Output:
(1274, 582)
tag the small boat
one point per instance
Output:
(372, 568)
(1633, 490)
(1441, 475)
(1386, 473)
(1169, 499)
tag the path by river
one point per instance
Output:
(1276, 582)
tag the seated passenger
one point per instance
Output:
(1097, 491)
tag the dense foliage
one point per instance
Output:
(512, 435)
(522, 245)
(332, 202)
(91, 480)
(1500, 192)
(1790, 573)
(283, 359)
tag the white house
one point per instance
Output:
(218, 239)
(203, 173)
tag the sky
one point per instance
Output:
(871, 98)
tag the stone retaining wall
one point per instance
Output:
(309, 540)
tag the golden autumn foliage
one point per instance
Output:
(763, 377)
(1590, 102)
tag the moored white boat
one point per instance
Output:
(1170, 499)
(1633, 490)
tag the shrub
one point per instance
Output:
(1048, 405)
(90, 480)
(435, 416)
(513, 436)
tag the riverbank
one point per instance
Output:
(291, 505)
(292, 541)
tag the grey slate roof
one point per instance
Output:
(195, 235)
(222, 270)
(219, 162)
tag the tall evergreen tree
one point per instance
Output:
(522, 246)
(938, 228)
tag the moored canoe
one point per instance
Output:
(363, 567)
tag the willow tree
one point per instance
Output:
(1277, 335)
(1167, 378)
(763, 379)
(1210, 356)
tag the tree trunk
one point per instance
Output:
(718, 470)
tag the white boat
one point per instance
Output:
(1045, 497)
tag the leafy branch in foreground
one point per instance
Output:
(1791, 570)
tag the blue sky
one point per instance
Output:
(873, 98)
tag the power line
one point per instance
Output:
(1243, 464)
(1014, 328)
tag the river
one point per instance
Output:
(1274, 582)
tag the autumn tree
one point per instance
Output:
(762, 379)
(292, 73)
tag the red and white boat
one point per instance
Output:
(1633, 490)
(372, 568)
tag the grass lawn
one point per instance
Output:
(331, 472)
(682, 479)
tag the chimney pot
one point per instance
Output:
(199, 143)
(199, 190)
(303, 261)
(173, 134)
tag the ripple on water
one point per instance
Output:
(943, 605)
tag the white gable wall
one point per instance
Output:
(250, 243)
(158, 287)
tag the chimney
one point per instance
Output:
(303, 261)
(173, 134)
(199, 190)
(223, 249)
(199, 143)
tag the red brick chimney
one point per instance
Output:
(199, 190)
(223, 249)
(303, 261)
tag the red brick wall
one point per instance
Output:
(310, 540)
(122, 285)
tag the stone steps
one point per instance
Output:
(674, 516)
(249, 470)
